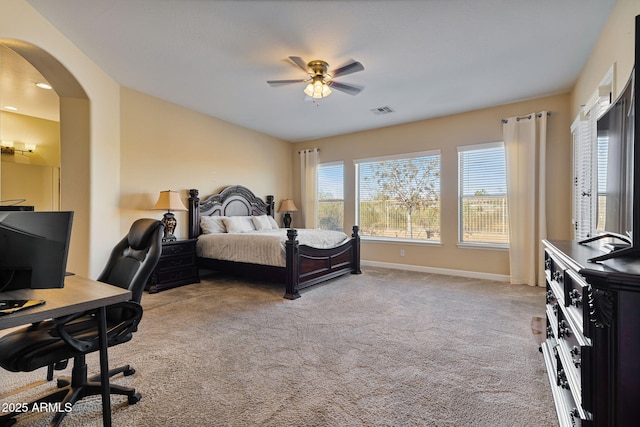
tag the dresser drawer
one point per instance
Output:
(576, 300)
(573, 351)
(552, 313)
(570, 414)
(178, 247)
(555, 272)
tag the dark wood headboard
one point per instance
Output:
(234, 200)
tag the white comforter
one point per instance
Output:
(264, 247)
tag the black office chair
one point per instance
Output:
(47, 343)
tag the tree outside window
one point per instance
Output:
(399, 197)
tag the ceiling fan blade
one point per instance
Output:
(352, 67)
(350, 89)
(299, 62)
(283, 82)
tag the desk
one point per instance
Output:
(79, 294)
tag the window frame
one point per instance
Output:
(326, 165)
(585, 158)
(484, 244)
(401, 156)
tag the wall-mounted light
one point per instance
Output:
(7, 147)
(11, 147)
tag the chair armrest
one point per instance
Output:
(87, 339)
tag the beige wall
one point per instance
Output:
(446, 134)
(31, 183)
(615, 46)
(120, 157)
(30, 176)
(168, 147)
(25, 129)
(90, 135)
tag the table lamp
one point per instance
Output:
(169, 201)
(287, 206)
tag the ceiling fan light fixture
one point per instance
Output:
(318, 88)
(319, 83)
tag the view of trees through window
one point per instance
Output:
(400, 197)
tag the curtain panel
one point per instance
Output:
(309, 160)
(525, 152)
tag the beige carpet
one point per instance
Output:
(385, 348)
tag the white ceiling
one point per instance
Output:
(423, 59)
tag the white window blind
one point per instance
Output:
(330, 196)
(398, 197)
(588, 156)
(482, 195)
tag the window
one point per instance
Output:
(330, 196)
(482, 195)
(589, 155)
(398, 197)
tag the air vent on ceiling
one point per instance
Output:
(382, 110)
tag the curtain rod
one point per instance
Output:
(309, 150)
(526, 117)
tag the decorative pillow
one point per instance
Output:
(238, 224)
(212, 224)
(273, 222)
(261, 222)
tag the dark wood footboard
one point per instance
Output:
(305, 266)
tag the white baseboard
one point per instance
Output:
(445, 271)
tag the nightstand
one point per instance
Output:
(176, 267)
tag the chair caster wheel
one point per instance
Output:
(129, 371)
(134, 399)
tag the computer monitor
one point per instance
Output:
(17, 208)
(33, 249)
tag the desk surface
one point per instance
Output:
(78, 294)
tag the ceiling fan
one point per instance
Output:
(320, 81)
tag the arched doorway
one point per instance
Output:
(74, 124)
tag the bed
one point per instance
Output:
(298, 265)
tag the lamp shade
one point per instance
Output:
(169, 201)
(287, 205)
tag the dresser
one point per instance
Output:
(592, 349)
(176, 267)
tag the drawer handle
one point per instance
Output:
(576, 298)
(563, 329)
(550, 297)
(562, 379)
(575, 356)
(557, 276)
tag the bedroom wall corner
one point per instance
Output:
(169, 147)
(615, 45)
